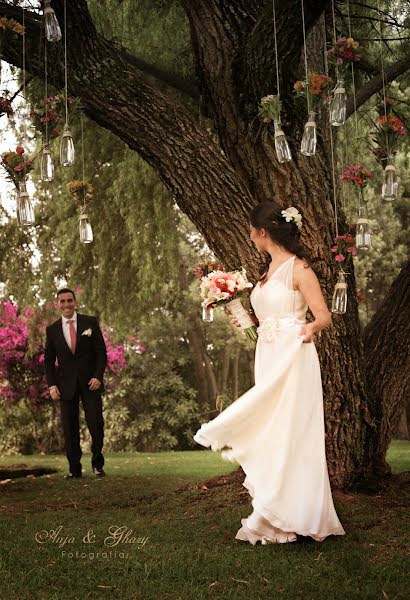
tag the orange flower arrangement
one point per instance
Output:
(317, 86)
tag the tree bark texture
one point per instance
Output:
(217, 176)
(387, 352)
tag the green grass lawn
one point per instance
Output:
(178, 538)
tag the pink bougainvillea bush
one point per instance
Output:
(22, 338)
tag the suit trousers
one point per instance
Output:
(92, 404)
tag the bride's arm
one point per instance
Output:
(307, 283)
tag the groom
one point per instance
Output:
(77, 343)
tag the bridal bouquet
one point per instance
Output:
(220, 287)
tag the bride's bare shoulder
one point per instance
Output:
(303, 274)
(300, 264)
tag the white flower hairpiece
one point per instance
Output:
(292, 214)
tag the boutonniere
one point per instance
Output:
(87, 332)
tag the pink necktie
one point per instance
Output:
(73, 335)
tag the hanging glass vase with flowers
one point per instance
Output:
(269, 110)
(17, 167)
(83, 194)
(342, 55)
(344, 250)
(314, 90)
(358, 176)
(389, 130)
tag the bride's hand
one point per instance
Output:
(232, 319)
(307, 333)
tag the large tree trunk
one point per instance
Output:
(387, 351)
(216, 184)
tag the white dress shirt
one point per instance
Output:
(66, 328)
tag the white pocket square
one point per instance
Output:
(87, 332)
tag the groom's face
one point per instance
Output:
(66, 304)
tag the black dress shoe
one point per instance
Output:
(73, 476)
(98, 472)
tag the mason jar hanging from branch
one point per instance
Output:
(390, 183)
(17, 166)
(339, 299)
(86, 232)
(344, 250)
(342, 56)
(25, 212)
(46, 166)
(52, 27)
(389, 130)
(338, 105)
(269, 110)
(309, 138)
(83, 193)
(67, 154)
(363, 234)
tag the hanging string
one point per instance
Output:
(332, 150)
(65, 62)
(276, 48)
(24, 70)
(353, 77)
(305, 52)
(46, 88)
(383, 73)
(334, 34)
(83, 162)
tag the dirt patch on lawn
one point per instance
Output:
(23, 470)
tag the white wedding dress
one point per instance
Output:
(275, 431)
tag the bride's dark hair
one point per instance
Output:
(267, 215)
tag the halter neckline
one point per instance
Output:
(275, 271)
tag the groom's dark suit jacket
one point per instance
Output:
(89, 360)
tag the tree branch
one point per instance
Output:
(375, 84)
(172, 80)
(118, 97)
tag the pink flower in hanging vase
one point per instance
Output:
(352, 250)
(19, 150)
(340, 258)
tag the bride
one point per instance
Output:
(275, 431)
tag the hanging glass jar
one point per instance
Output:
(25, 212)
(281, 144)
(339, 300)
(47, 166)
(390, 184)
(338, 105)
(208, 313)
(67, 154)
(363, 236)
(309, 139)
(86, 232)
(53, 31)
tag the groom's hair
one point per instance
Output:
(65, 291)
